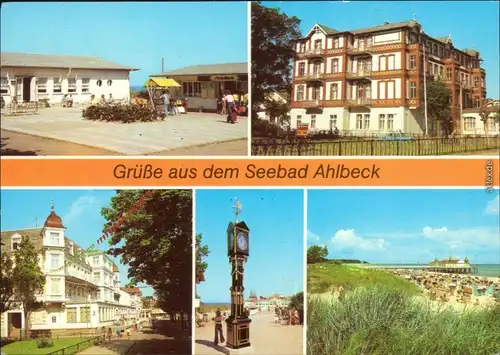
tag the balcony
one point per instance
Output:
(358, 102)
(313, 77)
(312, 53)
(361, 73)
(307, 104)
(360, 49)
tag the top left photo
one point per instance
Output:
(132, 78)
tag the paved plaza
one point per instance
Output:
(176, 133)
(266, 337)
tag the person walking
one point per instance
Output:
(229, 99)
(166, 102)
(218, 329)
(110, 334)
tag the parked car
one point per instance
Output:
(396, 136)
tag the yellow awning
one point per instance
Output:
(162, 82)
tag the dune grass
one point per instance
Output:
(323, 276)
(382, 314)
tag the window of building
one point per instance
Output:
(316, 93)
(41, 84)
(336, 43)
(333, 121)
(302, 47)
(300, 93)
(54, 238)
(334, 91)
(470, 123)
(71, 248)
(71, 315)
(55, 286)
(99, 83)
(440, 52)
(449, 73)
(381, 122)
(71, 85)
(413, 62)
(54, 261)
(383, 62)
(15, 241)
(391, 62)
(192, 89)
(435, 49)
(313, 121)
(359, 121)
(96, 277)
(299, 119)
(335, 65)
(4, 85)
(95, 260)
(390, 122)
(57, 88)
(317, 44)
(85, 85)
(302, 68)
(84, 314)
(317, 68)
(366, 123)
(109, 82)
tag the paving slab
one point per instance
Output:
(266, 337)
(140, 138)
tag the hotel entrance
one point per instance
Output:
(22, 89)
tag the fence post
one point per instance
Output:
(371, 146)
(419, 153)
(340, 148)
(437, 146)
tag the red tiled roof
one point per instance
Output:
(53, 221)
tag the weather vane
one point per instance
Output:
(52, 205)
(237, 208)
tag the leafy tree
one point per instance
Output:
(155, 240)
(273, 33)
(316, 254)
(201, 253)
(297, 302)
(28, 280)
(6, 283)
(277, 111)
(438, 104)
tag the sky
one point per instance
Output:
(136, 34)
(276, 241)
(405, 226)
(438, 19)
(80, 211)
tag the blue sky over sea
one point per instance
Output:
(406, 226)
(276, 222)
(136, 34)
(438, 19)
(80, 211)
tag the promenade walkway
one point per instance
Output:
(266, 337)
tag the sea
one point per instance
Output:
(482, 269)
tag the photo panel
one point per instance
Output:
(103, 271)
(249, 271)
(341, 78)
(403, 271)
(182, 85)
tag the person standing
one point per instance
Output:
(166, 102)
(230, 106)
(218, 329)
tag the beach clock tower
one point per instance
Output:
(238, 323)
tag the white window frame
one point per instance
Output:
(332, 91)
(96, 260)
(53, 282)
(333, 121)
(366, 121)
(41, 85)
(301, 69)
(381, 122)
(55, 261)
(56, 85)
(71, 85)
(15, 240)
(52, 238)
(85, 85)
(4, 85)
(335, 65)
(359, 121)
(313, 121)
(390, 121)
(301, 93)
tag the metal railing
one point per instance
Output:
(361, 72)
(313, 76)
(373, 147)
(13, 109)
(76, 348)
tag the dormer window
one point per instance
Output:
(71, 248)
(15, 241)
(317, 44)
(54, 238)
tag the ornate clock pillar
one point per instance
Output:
(238, 324)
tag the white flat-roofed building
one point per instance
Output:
(28, 77)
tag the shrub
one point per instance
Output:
(265, 129)
(44, 342)
(120, 113)
(379, 320)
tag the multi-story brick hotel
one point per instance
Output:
(369, 80)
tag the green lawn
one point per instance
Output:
(24, 347)
(322, 277)
(371, 147)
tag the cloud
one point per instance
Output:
(312, 237)
(78, 208)
(469, 238)
(347, 239)
(493, 207)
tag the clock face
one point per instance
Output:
(242, 241)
